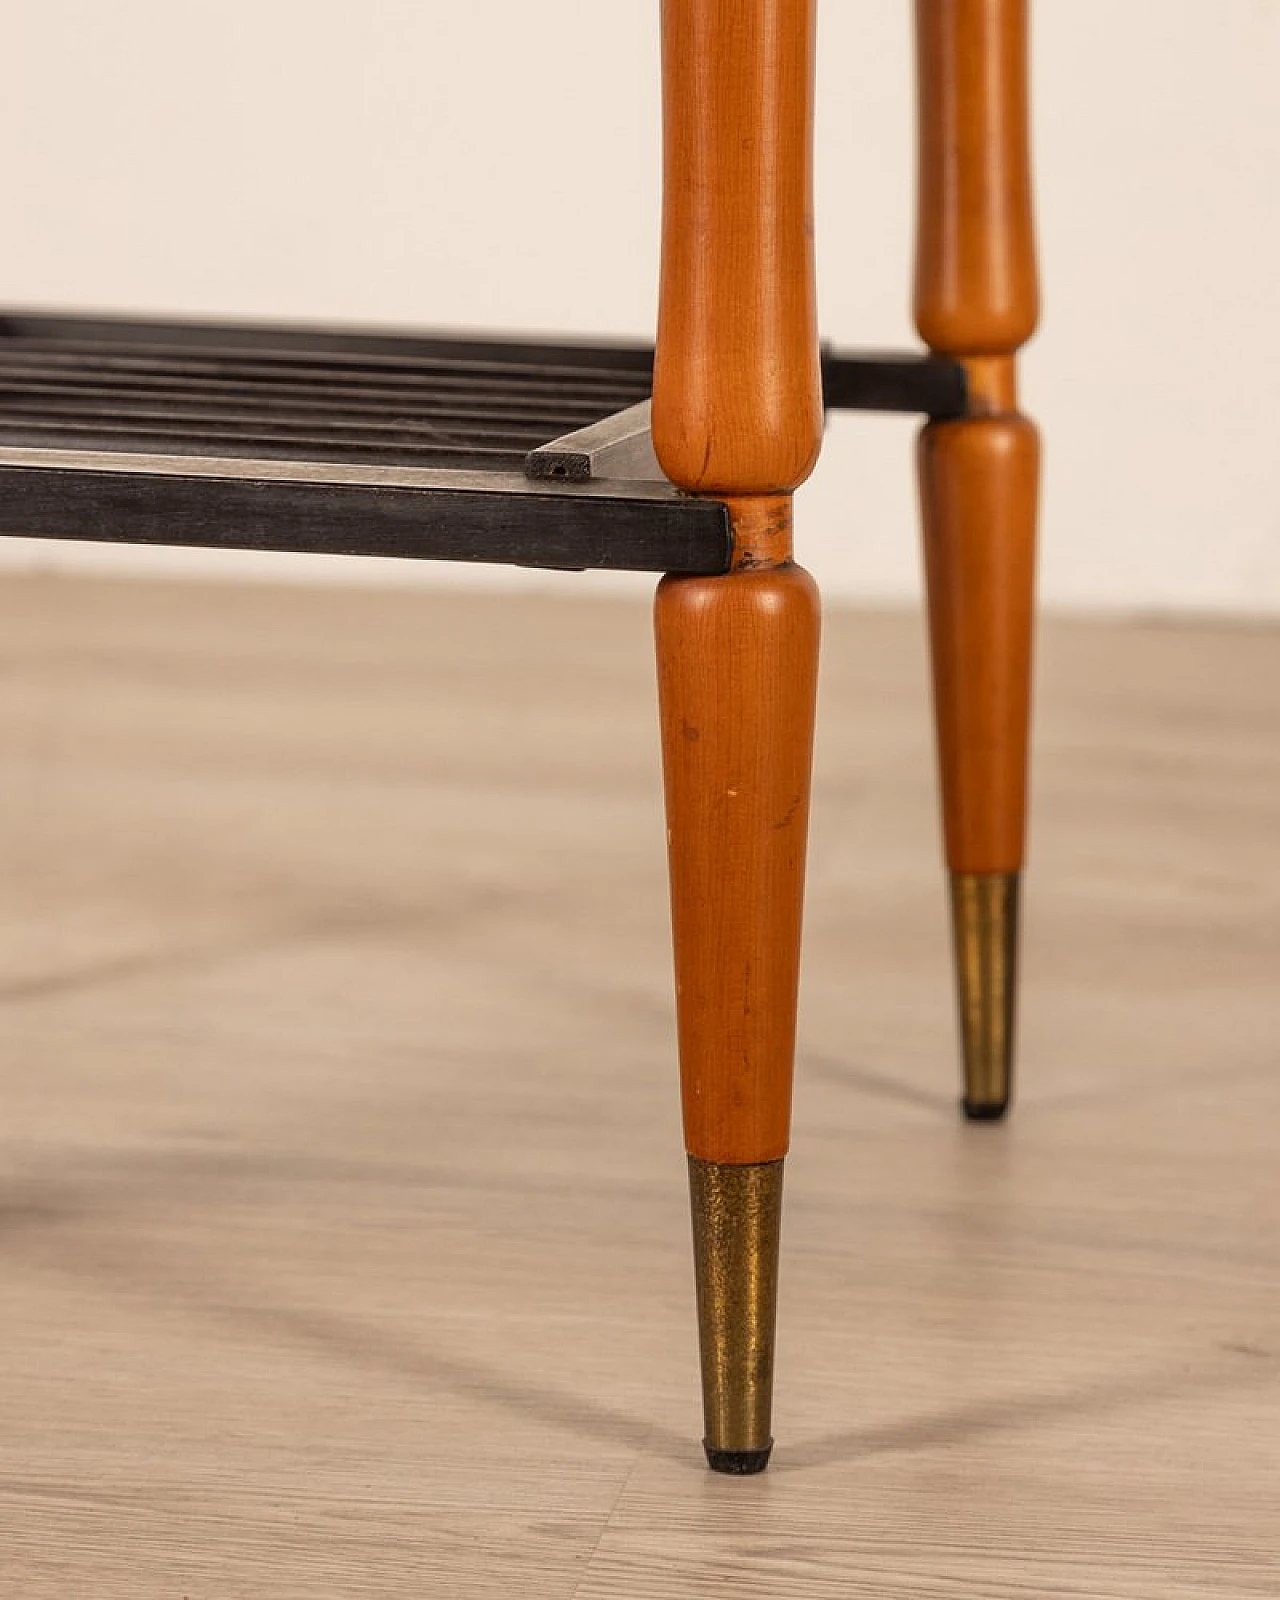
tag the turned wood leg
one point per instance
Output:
(976, 299)
(737, 414)
(737, 677)
(978, 496)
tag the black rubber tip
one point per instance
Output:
(976, 1111)
(738, 1463)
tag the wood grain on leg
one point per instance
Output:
(978, 498)
(737, 394)
(977, 299)
(737, 413)
(737, 662)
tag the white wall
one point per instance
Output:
(495, 164)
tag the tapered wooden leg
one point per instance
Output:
(737, 414)
(976, 299)
(737, 676)
(978, 496)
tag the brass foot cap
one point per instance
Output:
(738, 1463)
(984, 916)
(984, 1111)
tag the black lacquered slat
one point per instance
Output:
(261, 446)
(338, 399)
(276, 341)
(379, 379)
(272, 434)
(402, 426)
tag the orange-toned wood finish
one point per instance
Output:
(737, 676)
(976, 298)
(978, 498)
(976, 291)
(737, 412)
(737, 399)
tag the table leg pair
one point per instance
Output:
(737, 414)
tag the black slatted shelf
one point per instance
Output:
(252, 400)
(353, 443)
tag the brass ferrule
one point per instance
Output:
(737, 1214)
(984, 922)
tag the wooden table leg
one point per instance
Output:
(976, 298)
(737, 414)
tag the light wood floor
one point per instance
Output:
(343, 1236)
